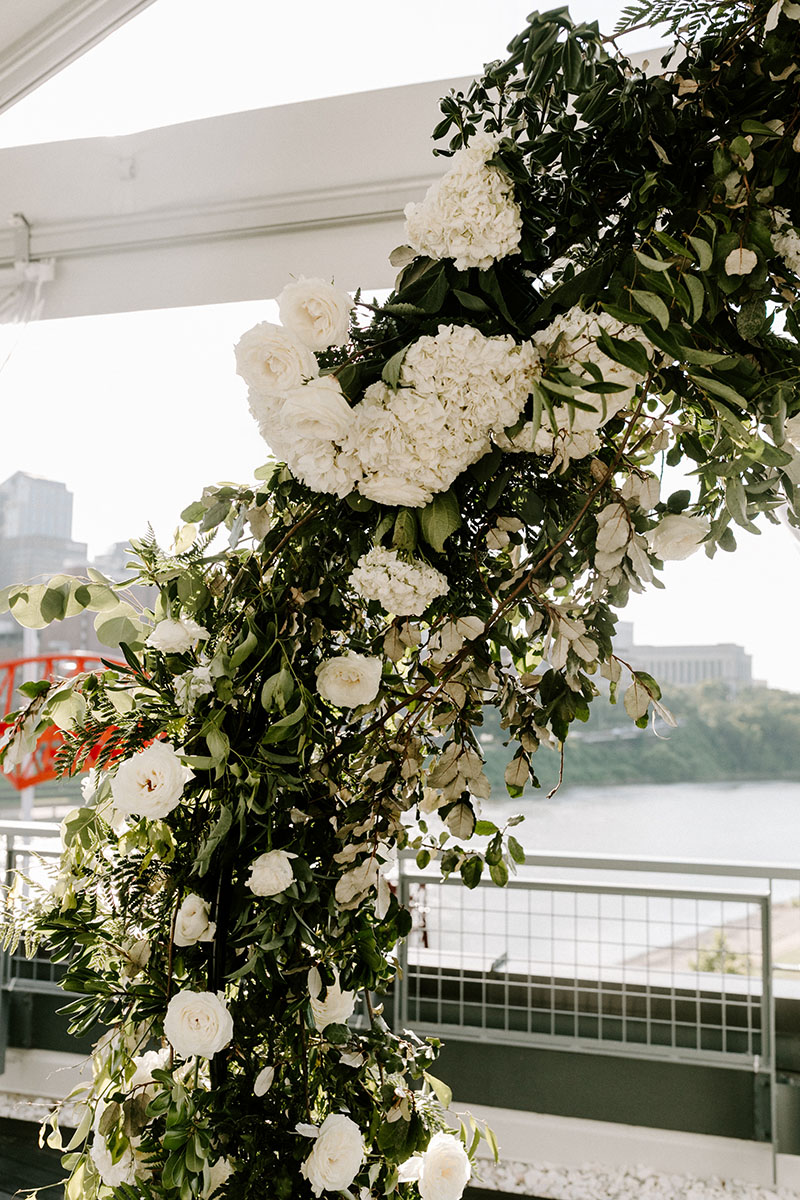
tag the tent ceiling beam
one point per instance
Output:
(41, 37)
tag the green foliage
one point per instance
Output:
(649, 209)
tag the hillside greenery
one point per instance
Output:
(753, 733)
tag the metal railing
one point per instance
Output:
(26, 846)
(653, 958)
(649, 958)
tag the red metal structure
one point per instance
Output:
(40, 766)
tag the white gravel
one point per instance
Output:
(597, 1182)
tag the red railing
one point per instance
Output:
(39, 767)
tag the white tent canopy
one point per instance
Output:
(214, 210)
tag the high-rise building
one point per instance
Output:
(36, 530)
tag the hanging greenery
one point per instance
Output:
(605, 279)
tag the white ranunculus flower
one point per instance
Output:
(677, 536)
(176, 635)
(317, 410)
(264, 1080)
(337, 1155)
(444, 1168)
(151, 783)
(272, 361)
(145, 1064)
(349, 680)
(192, 924)
(337, 1006)
(271, 873)
(316, 312)
(741, 262)
(197, 1023)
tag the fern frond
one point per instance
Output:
(687, 17)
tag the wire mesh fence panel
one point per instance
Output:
(652, 970)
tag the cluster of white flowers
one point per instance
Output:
(786, 240)
(301, 415)
(397, 446)
(571, 340)
(400, 587)
(470, 214)
(457, 388)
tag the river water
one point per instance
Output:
(749, 822)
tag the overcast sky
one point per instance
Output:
(136, 412)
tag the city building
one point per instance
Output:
(36, 529)
(686, 665)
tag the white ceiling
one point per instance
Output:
(40, 37)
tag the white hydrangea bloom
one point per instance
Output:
(470, 214)
(787, 240)
(456, 389)
(572, 339)
(400, 587)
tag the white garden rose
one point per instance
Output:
(400, 587)
(337, 1155)
(176, 635)
(349, 680)
(741, 261)
(271, 360)
(151, 783)
(444, 1169)
(337, 1006)
(677, 536)
(197, 1023)
(192, 924)
(470, 214)
(317, 410)
(271, 873)
(264, 1080)
(316, 312)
